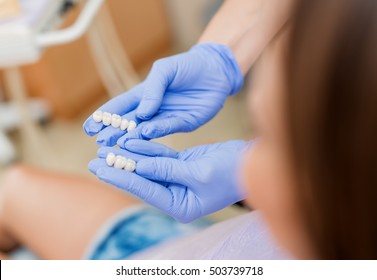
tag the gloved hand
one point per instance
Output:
(185, 185)
(180, 94)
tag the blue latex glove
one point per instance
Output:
(180, 94)
(185, 185)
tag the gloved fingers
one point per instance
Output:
(196, 152)
(91, 127)
(120, 105)
(151, 149)
(96, 164)
(134, 134)
(155, 86)
(152, 193)
(104, 151)
(165, 169)
(161, 127)
(100, 162)
(110, 135)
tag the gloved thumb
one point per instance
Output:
(151, 149)
(154, 89)
(167, 170)
(162, 127)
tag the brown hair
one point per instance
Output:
(332, 108)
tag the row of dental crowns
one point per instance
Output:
(120, 162)
(114, 120)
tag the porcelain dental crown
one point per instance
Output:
(120, 162)
(114, 120)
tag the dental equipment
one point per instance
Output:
(23, 38)
(22, 41)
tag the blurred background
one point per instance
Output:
(47, 93)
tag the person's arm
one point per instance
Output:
(247, 26)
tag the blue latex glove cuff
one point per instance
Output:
(232, 69)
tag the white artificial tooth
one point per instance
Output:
(97, 116)
(120, 162)
(115, 120)
(106, 114)
(110, 159)
(106, 119)
(130, 165)
(131, 125)
(124, 124)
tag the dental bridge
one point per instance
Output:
(22, 41)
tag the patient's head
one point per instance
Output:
(313, 171)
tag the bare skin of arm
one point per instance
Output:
(247, 26)
(54, 215)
